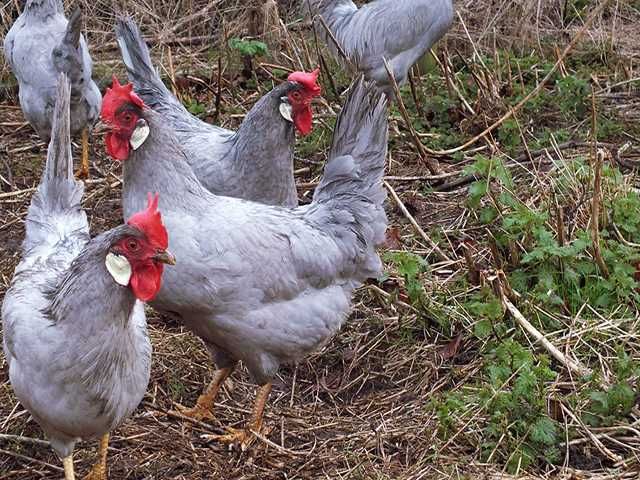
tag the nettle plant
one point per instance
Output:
(545, 247)
(549, 262)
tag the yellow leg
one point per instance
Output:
(244, 436)
(99, 470)
(67, 463)
(204, 406)
(84, 167)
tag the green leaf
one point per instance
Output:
(482, 329)
(252, 48)
(544, 431)
(477, 190)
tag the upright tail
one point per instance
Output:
(142, 74)
(349, 200)
(55, 210)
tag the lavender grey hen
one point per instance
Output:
(40, 45)
(74, 327)
(261, 284)
(256, 162)
(400, 31)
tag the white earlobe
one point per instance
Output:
(286, 111)
(119, 268)
(139, 136)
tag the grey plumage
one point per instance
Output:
(75, 341)
(266, 284)
(400, 31)
(254, 163)
(40, 45)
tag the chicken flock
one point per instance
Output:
(260, 279)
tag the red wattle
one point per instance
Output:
(303, 120)
(117, 147)
(146, 281)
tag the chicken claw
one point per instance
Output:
(236, 436)
(99, 470)
(198, 412)
(203, 409)
(245, 436)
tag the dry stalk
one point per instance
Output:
(596, 165)
(432, 164)
(415, 224)
(573, 365)
(414, 94)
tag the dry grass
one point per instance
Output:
(360, 407)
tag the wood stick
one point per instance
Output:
(21, 439)
(413, 222)
(573, 365)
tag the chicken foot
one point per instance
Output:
(203, 409)
(245, 436)
(67, 463)
(99, 470)
(83, 172)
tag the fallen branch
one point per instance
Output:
(574, 365)
(413, 222)
(21, 439)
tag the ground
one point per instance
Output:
(511, 351)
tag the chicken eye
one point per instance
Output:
(127, 117)
(296, 95)
(133, 245)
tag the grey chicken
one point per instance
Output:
(254, 163)
(257, 283)
(40, 45)
(400, 31)
(74, 327)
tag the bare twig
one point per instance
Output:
(415, 224)
(573, 365)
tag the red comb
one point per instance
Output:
(149, 221)
(307, 80)
(115, 96)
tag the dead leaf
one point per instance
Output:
(392, 239)
(450, 350)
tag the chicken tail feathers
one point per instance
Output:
(349, 200)
(55, 210)
(137, 60)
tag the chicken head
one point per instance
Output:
(137, 259)
(122, 111)
(296, 106)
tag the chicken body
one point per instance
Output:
(264, 284)
(254, 163)
(75, 340)
(400, 31)
(40, 45)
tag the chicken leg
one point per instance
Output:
(83, 172)
(67, 463)
(245, 436)
(204, 406)
(99, 470)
